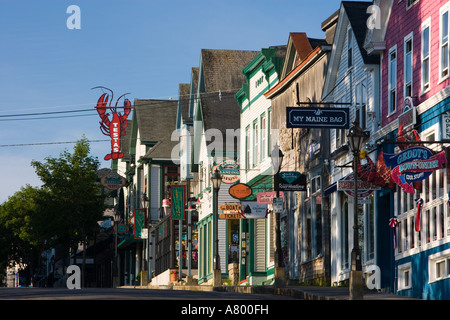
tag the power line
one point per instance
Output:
(44, 143)
(45, 118)
(42, 113)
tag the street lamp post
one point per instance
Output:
(279, 275)
(216, 180)
(144, 274)
(116, 257)
(355, 139)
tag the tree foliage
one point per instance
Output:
(71, 204)
(19, 241)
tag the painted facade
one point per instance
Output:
(383, 74)
(301, 83)
(256, 144)
(415, 78)
(352, 78)
(215, 133)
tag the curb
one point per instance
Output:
(288, 292)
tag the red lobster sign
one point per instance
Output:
(115, 127)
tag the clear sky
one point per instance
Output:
(146, 48)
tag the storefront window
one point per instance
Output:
(344, 232)
(370, 229)
(312, 239)
(233, 241)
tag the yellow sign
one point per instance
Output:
(230, 207)
(230, 211)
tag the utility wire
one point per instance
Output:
(44, 143)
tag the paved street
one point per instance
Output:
(141, 302)
(126, 294)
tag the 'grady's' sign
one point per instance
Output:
(412, 165)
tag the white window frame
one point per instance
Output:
(361, 106)
(255, 143)
(404, 276)
(340, 137)
(247, 148)
(425, 83)
(433, 261)
(444, 43)
(263, 136)
(392, 105)
(350, 47)
(409, 37)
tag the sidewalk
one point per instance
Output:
(299, 292)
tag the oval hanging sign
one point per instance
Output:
(229, 170)
(240, 191)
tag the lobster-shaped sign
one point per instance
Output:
(115, 127)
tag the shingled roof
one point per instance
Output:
(156, 120)
(222, 69)
(183, 100)
(222, 78)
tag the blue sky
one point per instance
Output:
(146, 48)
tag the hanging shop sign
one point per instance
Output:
(365, 189)
(445, 127)
(113, 181)
(413, 165)
(325, 118)
(139, 222)
(229, 170)
(178, 202)
(267, 197)
(113, 126)
(408, 116)
(253, 210)
(122, 228)
(230, 211)
(290, 181)
(240, 191)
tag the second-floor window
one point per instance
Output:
(350, 47)
(361, 103)
(408, 67)
(392, 80)
(247, 147)
(425, 56)
(263, 137)
(255, 143)
(443, 42)
(340, 134)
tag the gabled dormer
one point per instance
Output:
(268, 63)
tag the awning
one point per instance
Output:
(330, 189)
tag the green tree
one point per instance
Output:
(72, 204)
(19, 241)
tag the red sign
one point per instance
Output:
(115, 127)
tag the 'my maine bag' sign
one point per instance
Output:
(327, 118)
